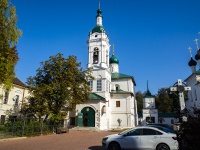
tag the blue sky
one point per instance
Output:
(151, 37)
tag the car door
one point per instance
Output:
(132, 139)
(149, 138)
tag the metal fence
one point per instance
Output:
(25, 128)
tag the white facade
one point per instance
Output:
(112, 103)
(151, 115)
(193, 81)
(11, 101)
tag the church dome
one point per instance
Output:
(192, 62)
(114, 59)
(99, 29)
(99, 13)
(197, 56)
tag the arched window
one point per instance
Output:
(95, 55)
(103, 110)
(117, 87)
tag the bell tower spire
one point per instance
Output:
(99, 16)
(98, 44)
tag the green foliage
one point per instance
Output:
(139, 98)
(9, 34)
(166, 101)
(60, 84)
(189, 132)
(26, 127)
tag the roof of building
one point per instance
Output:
(16, 81)
(197, 72)
(94, 96)
(99, 29)
(116, 76)
(114, 59)
(193, 74)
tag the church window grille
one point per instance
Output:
(117, 103)
(99, 86)
(91, 85)
(95, 55)
(6, 94)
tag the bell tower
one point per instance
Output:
(98, 44)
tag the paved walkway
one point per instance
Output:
(74, 140)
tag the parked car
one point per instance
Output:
(160, 124)
(142, 137)
(167, 130)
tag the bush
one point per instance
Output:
(189, 132)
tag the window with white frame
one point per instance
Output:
(99, 85)
(91, 85)
(117, 103)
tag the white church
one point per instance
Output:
(193, 80)
(112, 101)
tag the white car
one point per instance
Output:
(143, 137)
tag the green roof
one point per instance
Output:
(114, 59)
(148, 94)
(116, 76)
(120, 92)
(99, 29)
(94, 96)
(120, 76)
(197, 72)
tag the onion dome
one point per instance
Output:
(192, 62)
(99, 29)
(114, 59)
(99, 13)
(197, 56)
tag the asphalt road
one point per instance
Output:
(74, 140)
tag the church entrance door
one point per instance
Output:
(88, 117)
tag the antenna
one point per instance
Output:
(147, 86)
(113, 50)
(196, 41)
(190, 49)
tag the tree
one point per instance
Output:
(139, 98)
(166, 101)
(58, 86)
(9, 34)
(188, 135)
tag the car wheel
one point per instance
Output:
(162, 147)
(114, 146)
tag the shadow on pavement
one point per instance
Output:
(96, 148)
